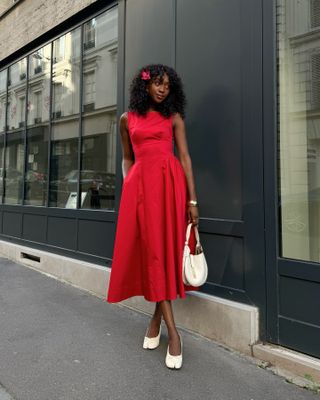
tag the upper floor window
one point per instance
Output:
(90, 34)
(59, 49)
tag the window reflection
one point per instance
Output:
(38, 127)
(3, 94)
(90, 34)
(97, 181)
(65, 125)
(299, 123)
(53, 86)
(14, 158)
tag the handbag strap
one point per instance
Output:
(198, 245)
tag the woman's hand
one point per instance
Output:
(193, 215)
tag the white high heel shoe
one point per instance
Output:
(152, 343)
(174, 362)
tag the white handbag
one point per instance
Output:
(194, 266)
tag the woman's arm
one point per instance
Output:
(184, 157)
(127, 152)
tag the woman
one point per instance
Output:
(158, 200)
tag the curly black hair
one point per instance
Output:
(140, 100)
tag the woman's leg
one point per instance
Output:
(174, 339)
(155, 322)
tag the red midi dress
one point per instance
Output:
(152, 219)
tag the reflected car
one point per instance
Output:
(35, 185)
(13, 184)
(99, 184)
(35, 176)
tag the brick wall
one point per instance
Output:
(31, 18)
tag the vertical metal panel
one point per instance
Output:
(209, 59)
(252, 154)
(291, 306)
(34, 227)
(301, 337)
(149, 28)
(12, 223)
(62, 232)
(94, 237)
(270, 169)
(226, 266)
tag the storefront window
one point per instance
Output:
(14, 157)
(298, 26)
(38, 127)
(40, 103)
(99, 97)
(65, 121)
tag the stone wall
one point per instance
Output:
(29, 19)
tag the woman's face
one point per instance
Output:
(159, 89)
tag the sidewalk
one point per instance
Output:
(58, 342)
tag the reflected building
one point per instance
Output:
(67, 150)
(299, 118)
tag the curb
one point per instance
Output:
(297, 368)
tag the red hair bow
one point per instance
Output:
(145, 75)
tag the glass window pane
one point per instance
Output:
(299, 128)
(65, 125)
(38, 127)
(3, 95)
(97, 183)
(16, 109)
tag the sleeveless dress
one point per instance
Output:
(152, 219)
